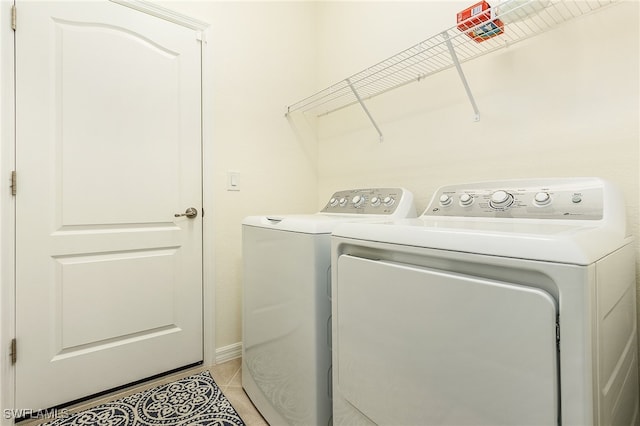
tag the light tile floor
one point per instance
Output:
(228, 377)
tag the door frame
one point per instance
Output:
(7, 200)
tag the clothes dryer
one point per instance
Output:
(504, 303)
(286, 352)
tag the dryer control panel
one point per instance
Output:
(568, 198)
(377, 201)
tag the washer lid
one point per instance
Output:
(319, 223)
(560, 243)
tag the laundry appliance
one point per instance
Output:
(504, 303)
(286, 353)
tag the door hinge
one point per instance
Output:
(13, 183)
(13, 352)
(14, 17)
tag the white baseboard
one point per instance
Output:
(229, 352)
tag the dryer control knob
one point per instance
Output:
(375, 201)
(445, 200)
(542, 199)
(388, 201)
(501, 199)
(466, 199)
(357, 201)
(342, 202)
(333, 202)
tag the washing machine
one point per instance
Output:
(286, 354)
(504, 303)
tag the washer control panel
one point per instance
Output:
(571, 198)
(377, 201)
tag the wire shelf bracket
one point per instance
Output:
(366, 110)
(456, 62)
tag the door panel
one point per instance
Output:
(135, 76)
(450, 348)
(108, 281)
(125, 284)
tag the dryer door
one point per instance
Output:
(422, 346)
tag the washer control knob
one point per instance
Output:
(333, 202)
(342, 202)
(389, 201)
(501, 199)
(375, 201)
(542, 199)
(576, 198)
(357, 201)
(445, 200)
(466, 199)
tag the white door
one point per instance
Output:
(108, 149)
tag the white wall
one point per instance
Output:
(564, 103)
(263, 59)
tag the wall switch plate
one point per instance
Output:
(233, 181)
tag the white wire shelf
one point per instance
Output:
(522, 19)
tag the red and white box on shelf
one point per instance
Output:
(479, 22)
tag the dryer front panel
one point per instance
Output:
(455, 349)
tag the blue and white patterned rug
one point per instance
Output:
(193, 400)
